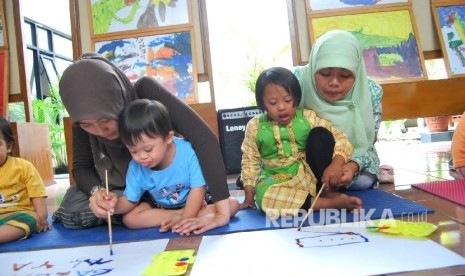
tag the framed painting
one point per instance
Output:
(391, 50)
(4, 84)
(3, 37)
(115, 16)
(169, 58)
(449, 19)
(320, 5)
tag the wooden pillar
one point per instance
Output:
(32, 142)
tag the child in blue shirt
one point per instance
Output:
(164, 181)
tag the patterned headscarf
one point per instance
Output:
(354, 113)
(93, 88)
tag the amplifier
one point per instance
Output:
(231, 127)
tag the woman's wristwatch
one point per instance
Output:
(95, 188)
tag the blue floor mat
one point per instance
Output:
(376, 204)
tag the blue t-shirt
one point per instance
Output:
(168, 187)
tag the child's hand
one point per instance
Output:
(332, 176)
(249, 201)
(168, 223)
(42, 225)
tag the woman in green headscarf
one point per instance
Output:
(336, 86)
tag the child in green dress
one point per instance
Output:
(289, 152)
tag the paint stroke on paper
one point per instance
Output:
(325, 239)
(128, 259)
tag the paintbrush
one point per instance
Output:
(110, 232)
(311, 206)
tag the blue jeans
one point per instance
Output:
(364, 181)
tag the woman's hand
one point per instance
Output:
(349, 171)
(101, 203)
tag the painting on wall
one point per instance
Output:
(2, 41)
(3, 31)
(390, 46)
(109, 16)
(168, 58)
(3, 84)
(318, 5)
(450, 25)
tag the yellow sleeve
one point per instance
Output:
(250, 154)
(343, 146)
(34, 183)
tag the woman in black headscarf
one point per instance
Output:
(94, 92)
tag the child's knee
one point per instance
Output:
(130, 220)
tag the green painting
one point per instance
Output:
(390, 49)
(128, 15)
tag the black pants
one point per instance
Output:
(319, 151)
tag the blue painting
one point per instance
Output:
(451, 20)
(316, 5)
(165, 57)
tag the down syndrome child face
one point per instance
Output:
(279, 104)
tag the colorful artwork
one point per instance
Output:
(125, 15)
(316, 5)
(3, 86)
(390, 48)
(450, 22)
(166, 57)
(128, 259)
(2, 42)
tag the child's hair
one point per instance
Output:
(278, 76)
(5, 131)
(143, 116)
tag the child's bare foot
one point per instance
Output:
(336, 200)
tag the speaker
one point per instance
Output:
(231, 127)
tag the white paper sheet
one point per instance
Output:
(127, 259)
(345, 249)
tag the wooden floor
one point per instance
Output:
(414, 162)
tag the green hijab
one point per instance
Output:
(354, 113)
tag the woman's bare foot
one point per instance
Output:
(336, 200)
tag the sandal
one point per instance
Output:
(386, 174)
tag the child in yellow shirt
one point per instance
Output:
(23, 209)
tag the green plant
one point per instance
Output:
(258, 65)
(51, 111)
